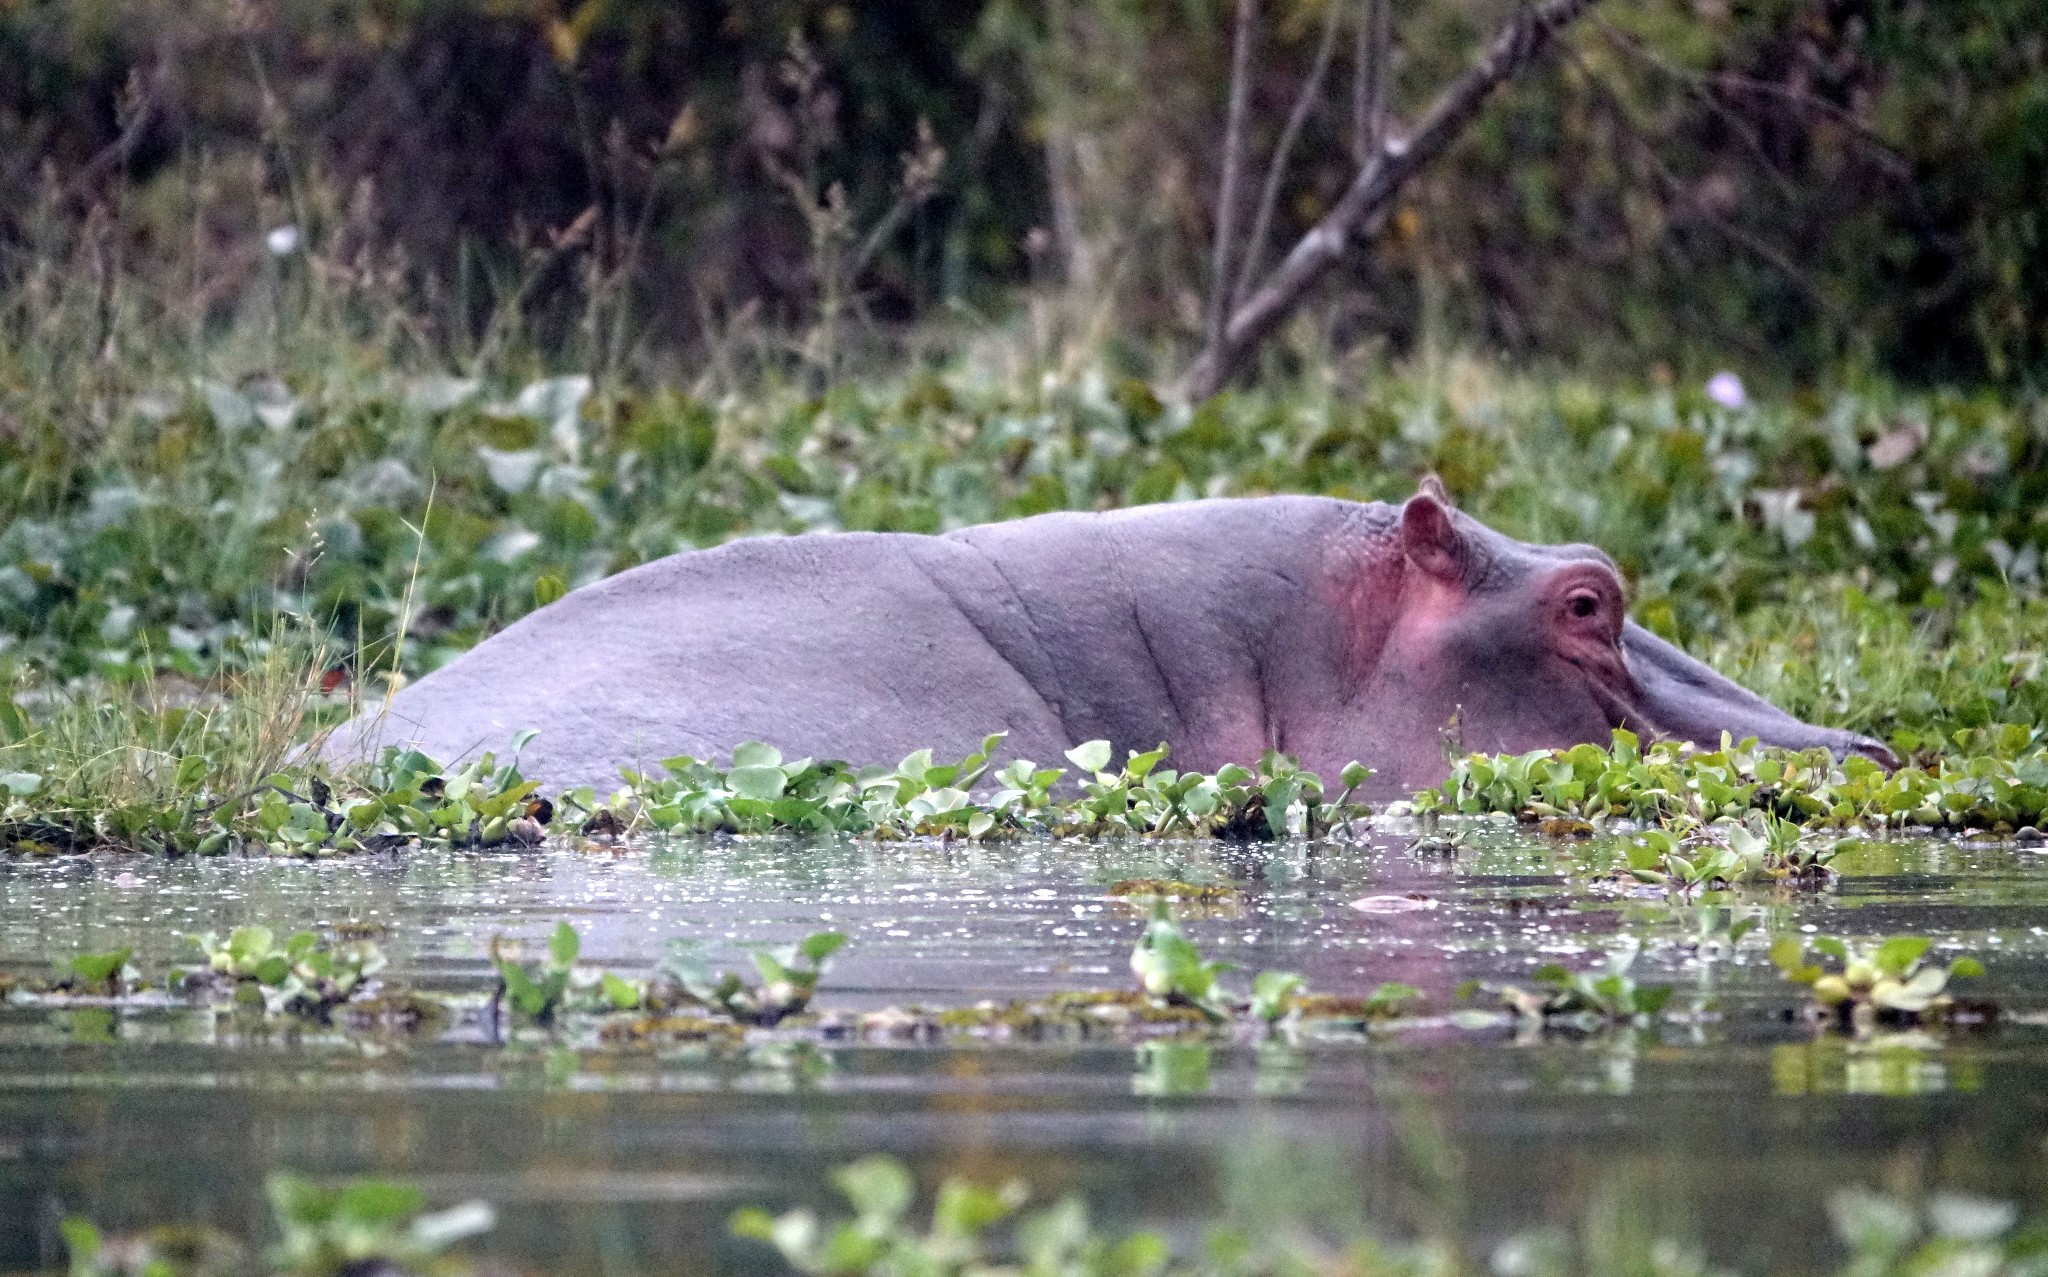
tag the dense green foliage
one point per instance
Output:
(405, 799)
(201, 507)
(2001, 781)
(169, 587)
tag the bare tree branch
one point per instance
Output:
(1889, 160)
(1518, 43)
(1674, 188)
(1276, 171)
(921, 169)
(1233, 159)
(1369, 84)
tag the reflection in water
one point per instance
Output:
(1883, 1064)
(1171, 1068)
(1727, 1125)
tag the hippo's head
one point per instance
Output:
(1499, 646)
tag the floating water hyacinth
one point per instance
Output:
(1725, 388)
(282, 241)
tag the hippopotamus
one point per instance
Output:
(1330, 630)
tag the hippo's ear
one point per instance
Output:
(1431, 486)
(1430, 537)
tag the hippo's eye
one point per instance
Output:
(1583, 603)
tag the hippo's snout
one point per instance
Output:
(1874, 750)
(1686, 699)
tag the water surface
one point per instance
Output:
(1727, 1123)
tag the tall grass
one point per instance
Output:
(129, 762)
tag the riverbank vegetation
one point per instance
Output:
(198, 571)
(269, 442)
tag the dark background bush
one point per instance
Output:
(1791, 184)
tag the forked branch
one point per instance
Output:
(1372, 191)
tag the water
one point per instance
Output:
(1727, 1126)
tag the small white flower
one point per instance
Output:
(283, 241)
(1725, 388)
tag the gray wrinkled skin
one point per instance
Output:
(1327, 629)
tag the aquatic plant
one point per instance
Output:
(305, 809)
(1171, 969)
(1890, 1236)
(1058, 1241)
(1670, 781)
(1685, 859)
(537, 991)
(165, 1251)
(1886, 980)
(789, 977)
(299, 975)
(358, 1226)
(366, 1225)
(1607, 994)
(109, 972)
(763, 793)
(1274, 994)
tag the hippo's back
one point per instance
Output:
(825, 646)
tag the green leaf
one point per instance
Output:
(564, 945)
(1092, 756)
(1392, 993)
(821, 945)
(373, 1201)
(755, 754)
(547, 588)
(297, 1202)
(1355, 774)
(624, 995)
(98, 968)
(1897, 955)
(966, 1210)
(1966, 967)
(852, 1250)
(191, 770)
(526, 996)
(82, 1242)
(1272, 991)
(752, 1222)
(1650, 999)
(878, 1187)
(1139, 1255)
(247, 945)
(1141, 765)
(1788, 954)
(761, 783)
(1832, 947)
